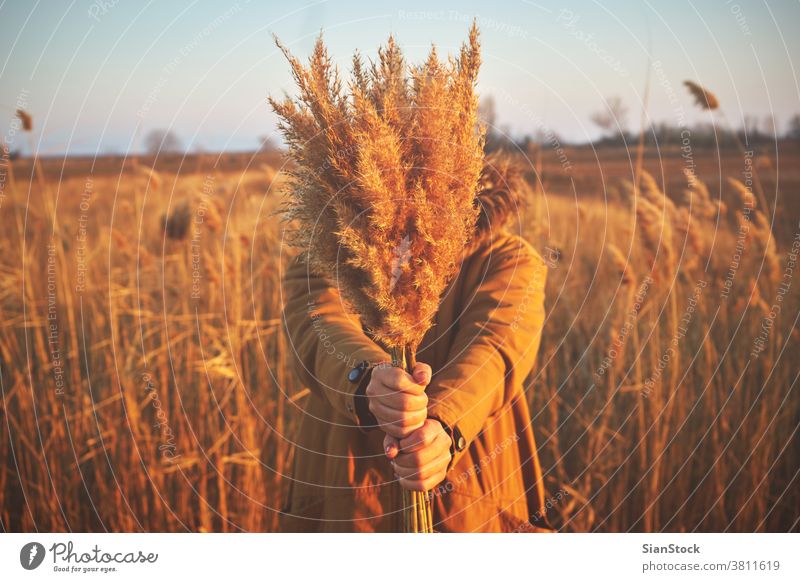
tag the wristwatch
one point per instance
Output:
(360, 375)
(356, 374)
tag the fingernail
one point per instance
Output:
(388, 449)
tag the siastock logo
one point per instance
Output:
(31, 555)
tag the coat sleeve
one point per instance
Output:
(495, 347)
(327, 342)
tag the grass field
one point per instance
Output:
(146, 384)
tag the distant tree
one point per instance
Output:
(267, 144)
(769, 126)
(7, 153)
(793, 129)
(487, 117)
(162, 141)
(613, 119)
(486, 111)
(496, 138)
(751, 130)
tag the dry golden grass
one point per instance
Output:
(146, 384)
(656, 414)
(146, 399)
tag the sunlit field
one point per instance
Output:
(147, 384)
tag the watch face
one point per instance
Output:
(354, 374)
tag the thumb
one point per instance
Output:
(422, 373)
(391, 446)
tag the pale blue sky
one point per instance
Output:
(90, 76)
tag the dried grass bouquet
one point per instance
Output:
(382, 195)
